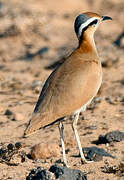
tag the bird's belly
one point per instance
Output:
(83, 108)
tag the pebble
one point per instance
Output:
(10, 147)
(113, 136)
(110, 100)
(95, 154)
(115, 169)
(18, 145)
(12, 30)
(8, 112)
(108, 64)
(119, 41)
(10, 115)
(3, 151)
(64, 173)
(13, 116)
(95, 102)
(122, 81)
(39, 174)
(44, 151)
(56, 172)
(92, 127)
(36, 83)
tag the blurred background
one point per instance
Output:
(35, 36)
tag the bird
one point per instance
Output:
(71, 87)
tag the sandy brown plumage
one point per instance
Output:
(67, 90)
(71, 86)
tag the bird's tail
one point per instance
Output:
(36, 122)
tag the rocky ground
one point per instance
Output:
(34, 37)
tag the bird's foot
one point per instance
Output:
(84, 161)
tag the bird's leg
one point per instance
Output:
(74, 126)
(61, 129)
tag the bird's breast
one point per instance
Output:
(91, 86)
(76, 87)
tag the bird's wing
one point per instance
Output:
(43, 91)
(47, 85)
(65, 91)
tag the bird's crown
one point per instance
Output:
(86, 20)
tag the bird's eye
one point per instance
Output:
(93, 22)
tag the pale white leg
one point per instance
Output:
(74, 126)
(61, 129)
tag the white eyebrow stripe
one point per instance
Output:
(86, 24)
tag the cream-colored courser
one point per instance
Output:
(72, 85)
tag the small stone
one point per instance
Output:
(107, 64)
(95, 154)
(110, 100)
(92, 127)
(33, 171)
(44, 151)
(115, 169)
(119, 41)
(36, 83)
(18, 145)
(64, 173)
(10, 115)
(122, 100)
(122, 81)
(98, 99)
(21, 92)
(10, 177)
(13, 116)
(23, 156)
(2, 152)
(113, 136)
(39, 174)
(12, 30)
(95, 102)
(37, 74)
(20, 103)
(10, 147)
(37, 90)
(8, 112)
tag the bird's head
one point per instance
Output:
(88, 22)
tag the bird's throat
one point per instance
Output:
(87, 44)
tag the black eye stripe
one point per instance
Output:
(90, 24)
(86, 27)
(93, 22)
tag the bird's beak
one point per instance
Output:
(106, 18)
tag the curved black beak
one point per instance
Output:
(106, 18)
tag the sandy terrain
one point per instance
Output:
(34, 35)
